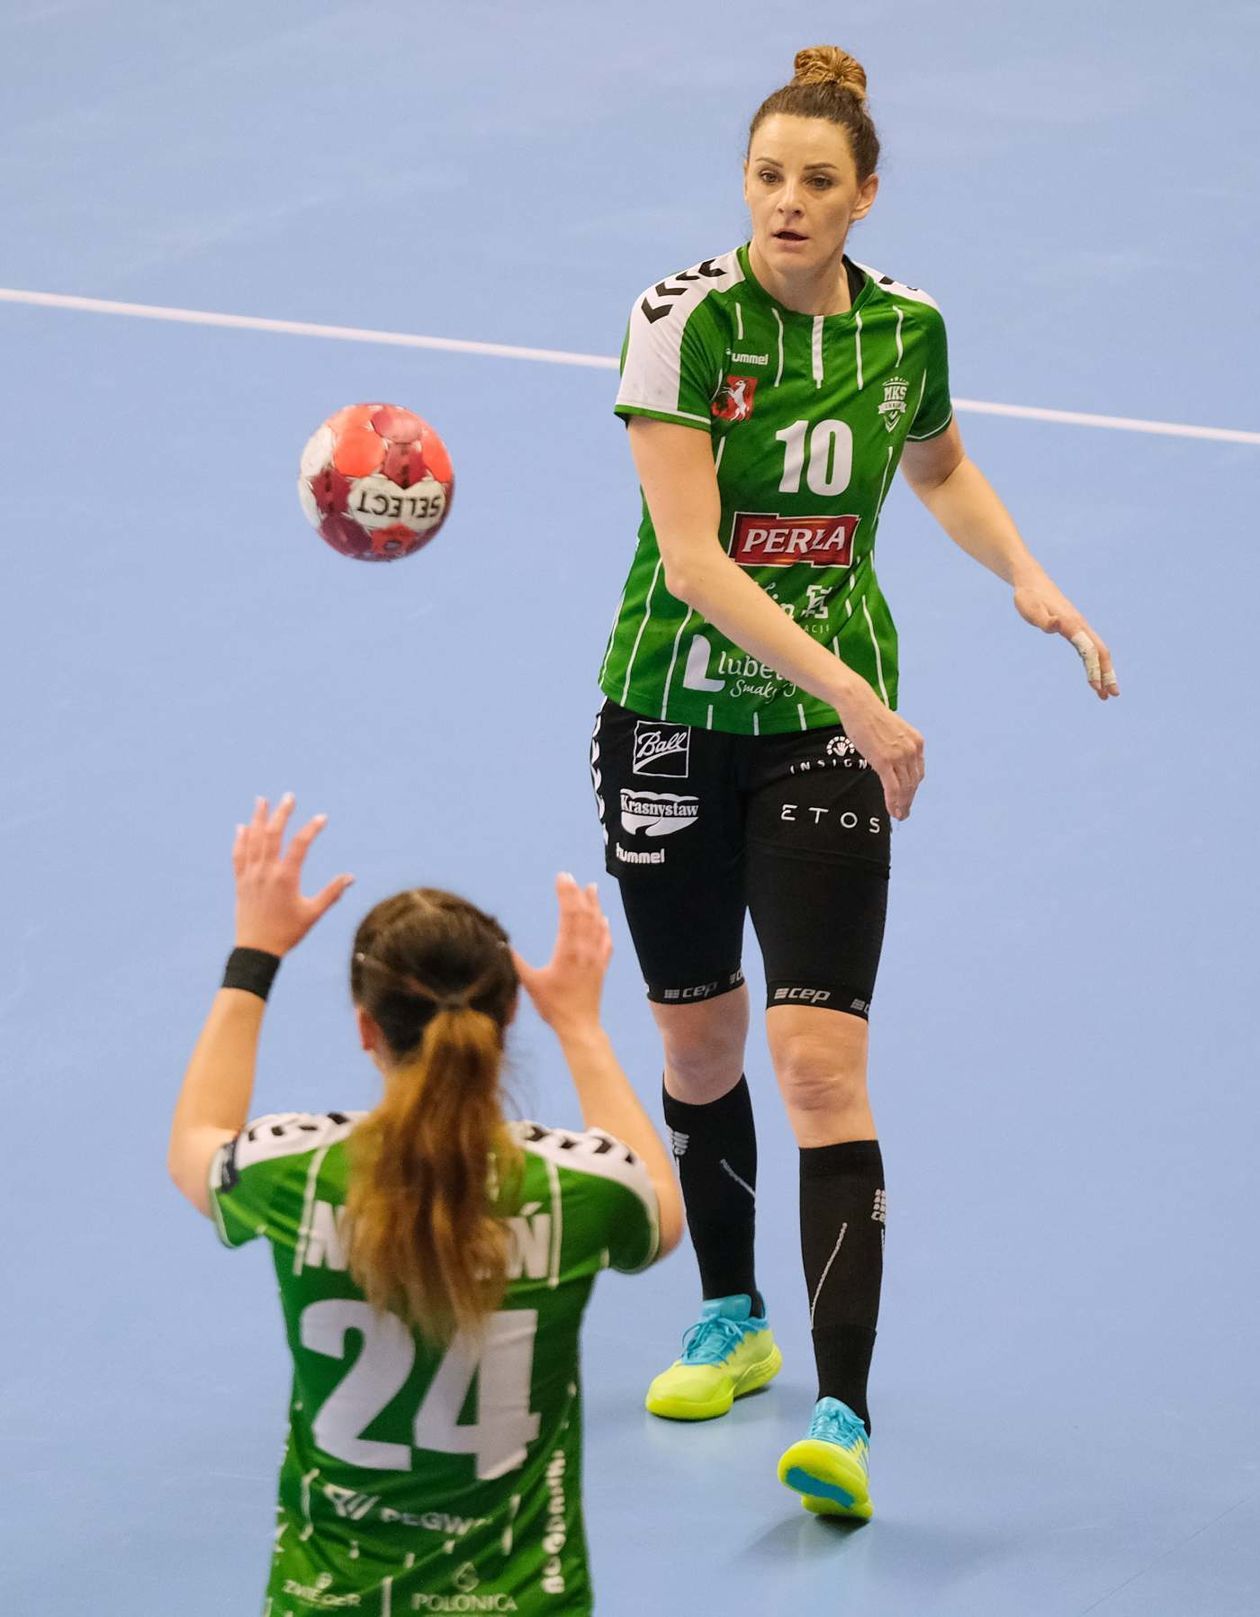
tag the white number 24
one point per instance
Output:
(502, 1361)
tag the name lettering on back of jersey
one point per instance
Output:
(765, 539)
(326, 1241)
(529, 1243)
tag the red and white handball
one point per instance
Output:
(376, 482)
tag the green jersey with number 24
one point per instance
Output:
(807, 415)
(417, 1478)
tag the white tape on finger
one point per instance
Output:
(1088, 654)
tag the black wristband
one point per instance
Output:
(254, 970)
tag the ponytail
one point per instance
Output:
(433, 1163)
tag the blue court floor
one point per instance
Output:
(1065, 1046)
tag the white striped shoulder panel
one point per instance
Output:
(288, 1134)
(898, 289)
(652, 374)
(591, 1151)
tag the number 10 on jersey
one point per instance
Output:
(823, 452)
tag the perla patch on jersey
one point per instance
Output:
(280, 1134)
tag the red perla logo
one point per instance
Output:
(768, 540)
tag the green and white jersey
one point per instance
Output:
(415, 1478)
(807, 415)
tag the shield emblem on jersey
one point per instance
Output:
(735, 398)
(896, 389)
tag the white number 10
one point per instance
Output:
(830, 457)
(502, 1360)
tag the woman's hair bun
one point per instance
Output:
(828, 64)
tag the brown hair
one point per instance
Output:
(829, 84)
(436, 976)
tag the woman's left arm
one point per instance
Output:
(959, 496)
(271, 918)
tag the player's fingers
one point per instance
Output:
(905, 792)
(328, 896)
(1108, 685)
(302, 840)
(569, 897)
(592, 915)
(277, 822)
(255, 830)
(238, 850)
(893, 796)
(1087, 650)
(527, 974)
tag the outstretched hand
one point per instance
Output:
(1045, 606)
(271, 912)
(566, 991)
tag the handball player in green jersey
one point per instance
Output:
(749, 758)
(433, 1259)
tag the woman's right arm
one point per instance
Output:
(676, 471)
(566, 993)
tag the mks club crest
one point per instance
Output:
(894, 405)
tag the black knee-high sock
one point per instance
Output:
(842, 1246)
(716, 1150)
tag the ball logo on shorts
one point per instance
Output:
(656, 814)
(661, 749)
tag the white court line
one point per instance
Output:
(558, 356)
(303, 328)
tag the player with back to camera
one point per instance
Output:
(748, 756)
(433, 1258)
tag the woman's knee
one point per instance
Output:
(822, 1068)
(704, 1045)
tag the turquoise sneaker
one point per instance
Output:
(829, 1467)
(726, 1354)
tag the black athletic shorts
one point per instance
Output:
(701, 827)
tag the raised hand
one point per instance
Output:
(271, 912)
(1041, 603)
(566, 991)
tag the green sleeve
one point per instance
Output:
(240, 1199)
(633, 1232)
(628, 1212)
(936, 410)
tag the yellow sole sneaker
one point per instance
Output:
(829, 1467)
(681, 1393)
